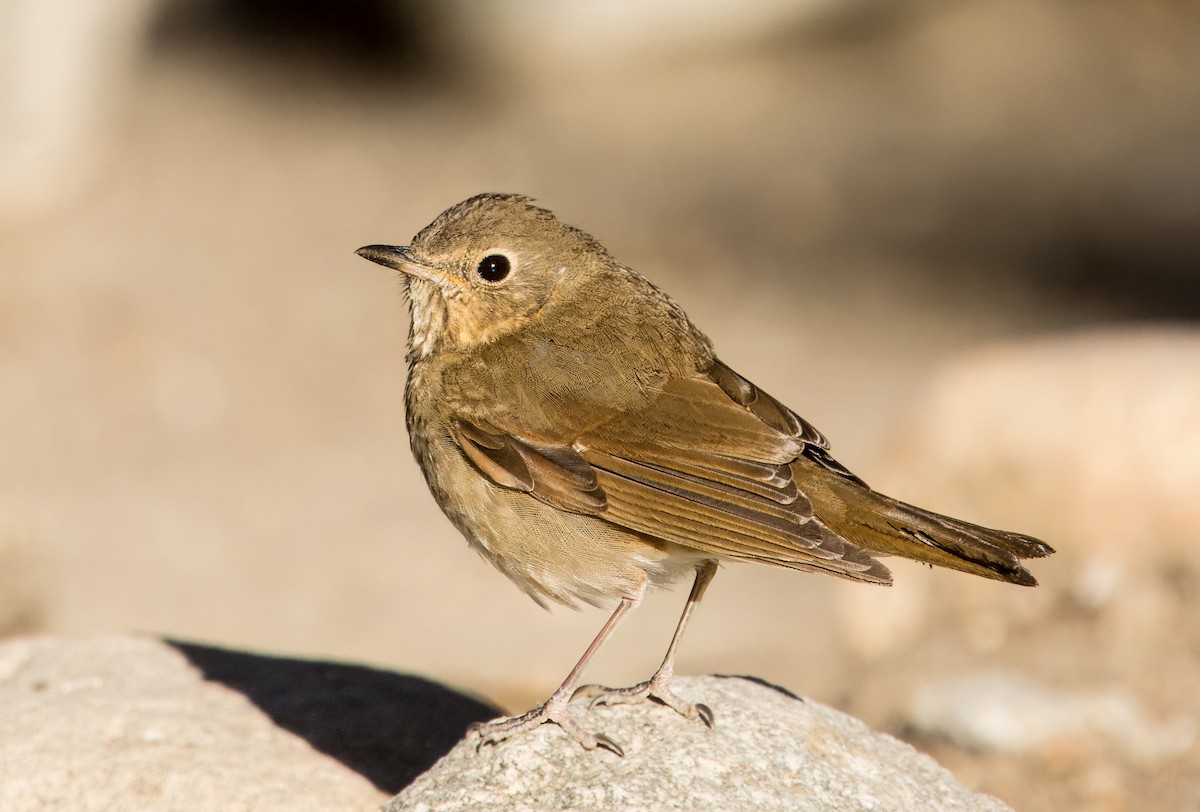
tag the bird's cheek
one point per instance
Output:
(473, 329)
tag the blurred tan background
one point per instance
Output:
(961, 237)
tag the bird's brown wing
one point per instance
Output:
(706, 464)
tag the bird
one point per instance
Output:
(582, 434)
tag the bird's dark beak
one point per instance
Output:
(398, 258)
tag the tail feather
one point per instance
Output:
(887, 526)
(980, 550)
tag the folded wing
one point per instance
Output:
(706, 464)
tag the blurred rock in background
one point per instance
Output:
(951, 233)
(66, 67)
(1092, 439)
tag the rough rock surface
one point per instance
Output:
(768, 750)
(141, 724)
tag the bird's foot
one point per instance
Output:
(657, 688)
(553, 711)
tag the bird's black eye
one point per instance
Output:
(493, 268)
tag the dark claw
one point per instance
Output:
(609, 745)
(706, 715)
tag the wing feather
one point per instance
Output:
(556, 474)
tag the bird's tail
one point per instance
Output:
(888, 526)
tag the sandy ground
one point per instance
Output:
(201, 400)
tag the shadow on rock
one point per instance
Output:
(763, 683)
(388, 727)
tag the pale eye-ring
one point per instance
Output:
(494, 268)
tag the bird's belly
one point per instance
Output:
(552, 554)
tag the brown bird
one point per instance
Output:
(578, 429)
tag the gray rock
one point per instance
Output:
(139, 723)
(120, 723)
(769, 750)
(1087, 440)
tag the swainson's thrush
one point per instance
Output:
(577, 428)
